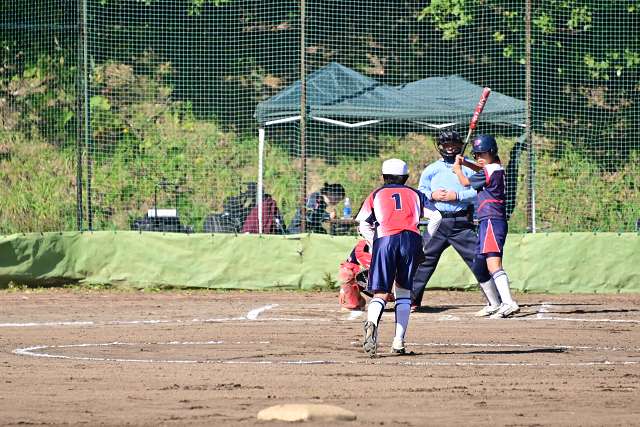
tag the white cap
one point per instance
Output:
(394, 167)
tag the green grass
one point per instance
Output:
(575, 194)
(38, 179)
(38, 189)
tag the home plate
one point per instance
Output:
(292, 412)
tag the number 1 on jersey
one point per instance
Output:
(396, 197)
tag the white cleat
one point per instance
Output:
(488, 310)
(398, 346)
(506, 310)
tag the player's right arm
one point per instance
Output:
(434, 216)
(471, 165)
(425, 181)
(366, 218)
(457, 169)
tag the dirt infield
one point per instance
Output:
(218, 358)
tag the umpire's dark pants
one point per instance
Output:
(455, 230)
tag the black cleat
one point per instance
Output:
(370, 346)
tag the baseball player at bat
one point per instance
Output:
(489, 182)
(456, 204)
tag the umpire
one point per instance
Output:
(455, 202)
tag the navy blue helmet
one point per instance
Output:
(484, 143)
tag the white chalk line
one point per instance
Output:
(545, 306)
(569, 319)
(134, 322)
(354, 315)
(31, 351)
(542, 346)
(253, 314)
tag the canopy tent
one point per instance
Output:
(456, 98)
(338, 95)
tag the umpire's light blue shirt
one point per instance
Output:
(439, 176)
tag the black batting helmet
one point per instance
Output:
(449, 136)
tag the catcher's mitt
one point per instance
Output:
(362, 280)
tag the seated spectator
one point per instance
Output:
(316, 209)
(272, 220)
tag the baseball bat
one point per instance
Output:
(476, 116)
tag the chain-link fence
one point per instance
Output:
(178, 114)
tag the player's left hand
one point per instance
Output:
(457, 165)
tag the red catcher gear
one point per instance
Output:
(350, 297)
(350, 289)
(347, 273)
(363, 257)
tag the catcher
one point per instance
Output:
(354, 276)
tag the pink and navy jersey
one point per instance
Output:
(395, 208)
(490, 185)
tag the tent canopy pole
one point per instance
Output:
(261, 138)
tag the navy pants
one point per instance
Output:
(457, 232)
(394, 257)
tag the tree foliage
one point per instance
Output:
(585, 57)
(159, 77)
(224, 56)
(594, 37)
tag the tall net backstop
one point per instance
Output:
(119, 113)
